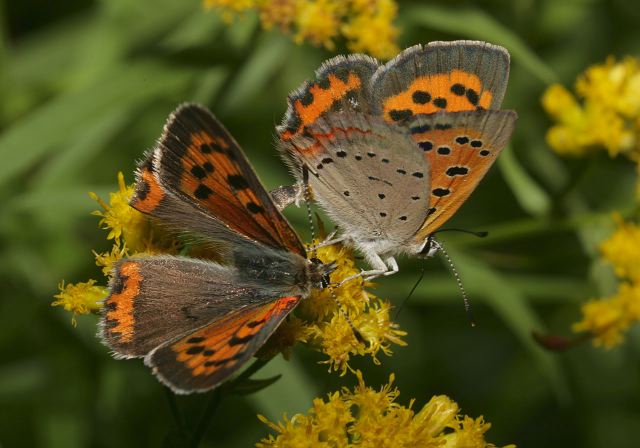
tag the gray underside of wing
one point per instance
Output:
(370, 177)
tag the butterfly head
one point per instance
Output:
(319, 273)
(428, 248)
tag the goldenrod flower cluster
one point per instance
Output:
(340, 321)
(608, 115)
(131, 233)
(367, 25)
(606, 319)
(366, 417)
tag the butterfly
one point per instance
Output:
(196, 322)
(392, 151)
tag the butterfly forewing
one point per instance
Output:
(156, 299)
(460, 148)
(197, 159)
(366, 173)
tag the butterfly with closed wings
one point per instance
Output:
(392, 151)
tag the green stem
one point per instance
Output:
(212, 405)
(218, 394)
(175, 411)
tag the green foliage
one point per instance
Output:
(84, 89)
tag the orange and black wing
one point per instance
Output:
(341, 83)
(197, 162)
(441, 77)
(205, 358)
(156, 299)
(460, 148)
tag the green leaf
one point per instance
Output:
(531, 197)
(292, 395)
(251, 386)
(257, 71)
(66, 117)
(474, 23)
(508, 302)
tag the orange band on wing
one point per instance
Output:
(322, 99)
(148, 193)
(221, 345)
(119, 304)
(451, 92)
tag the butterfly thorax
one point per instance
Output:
(287, 272)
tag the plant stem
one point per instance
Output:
(214, 401)
(218, 394)
(175, 411)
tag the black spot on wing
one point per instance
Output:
(202, 192)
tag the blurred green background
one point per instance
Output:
(85, 88)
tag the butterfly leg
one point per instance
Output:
(380, 268)
(392, 265)
(329, 240)
(287, 195)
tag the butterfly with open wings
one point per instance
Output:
(196, 322)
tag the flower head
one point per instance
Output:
(622, 250)
(367, 25)
(120, 218)
(606, 319)
(340, 321)
(365, 417)
(80, 298)
(608, 115)
(130, 233)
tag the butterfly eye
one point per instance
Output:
(429, 249)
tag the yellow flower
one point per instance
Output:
(132, 234)
(347, 320)
(609, 116)
(614, 85)
(372, 30)
(317, 22)
(120, 218)
(107, 259)
(80, 298)
(367, 25)
(622, 250)
(606, 319)
(366, 417)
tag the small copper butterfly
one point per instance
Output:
(196, 322)
(392, 151)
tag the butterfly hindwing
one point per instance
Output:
(203, 359)
(341, 83)
(441, 76)
(460, 147)
(197, 160)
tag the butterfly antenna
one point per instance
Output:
(411, 292)
(454, 271)
(480, 234)
(344, 313)
(307, 203)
